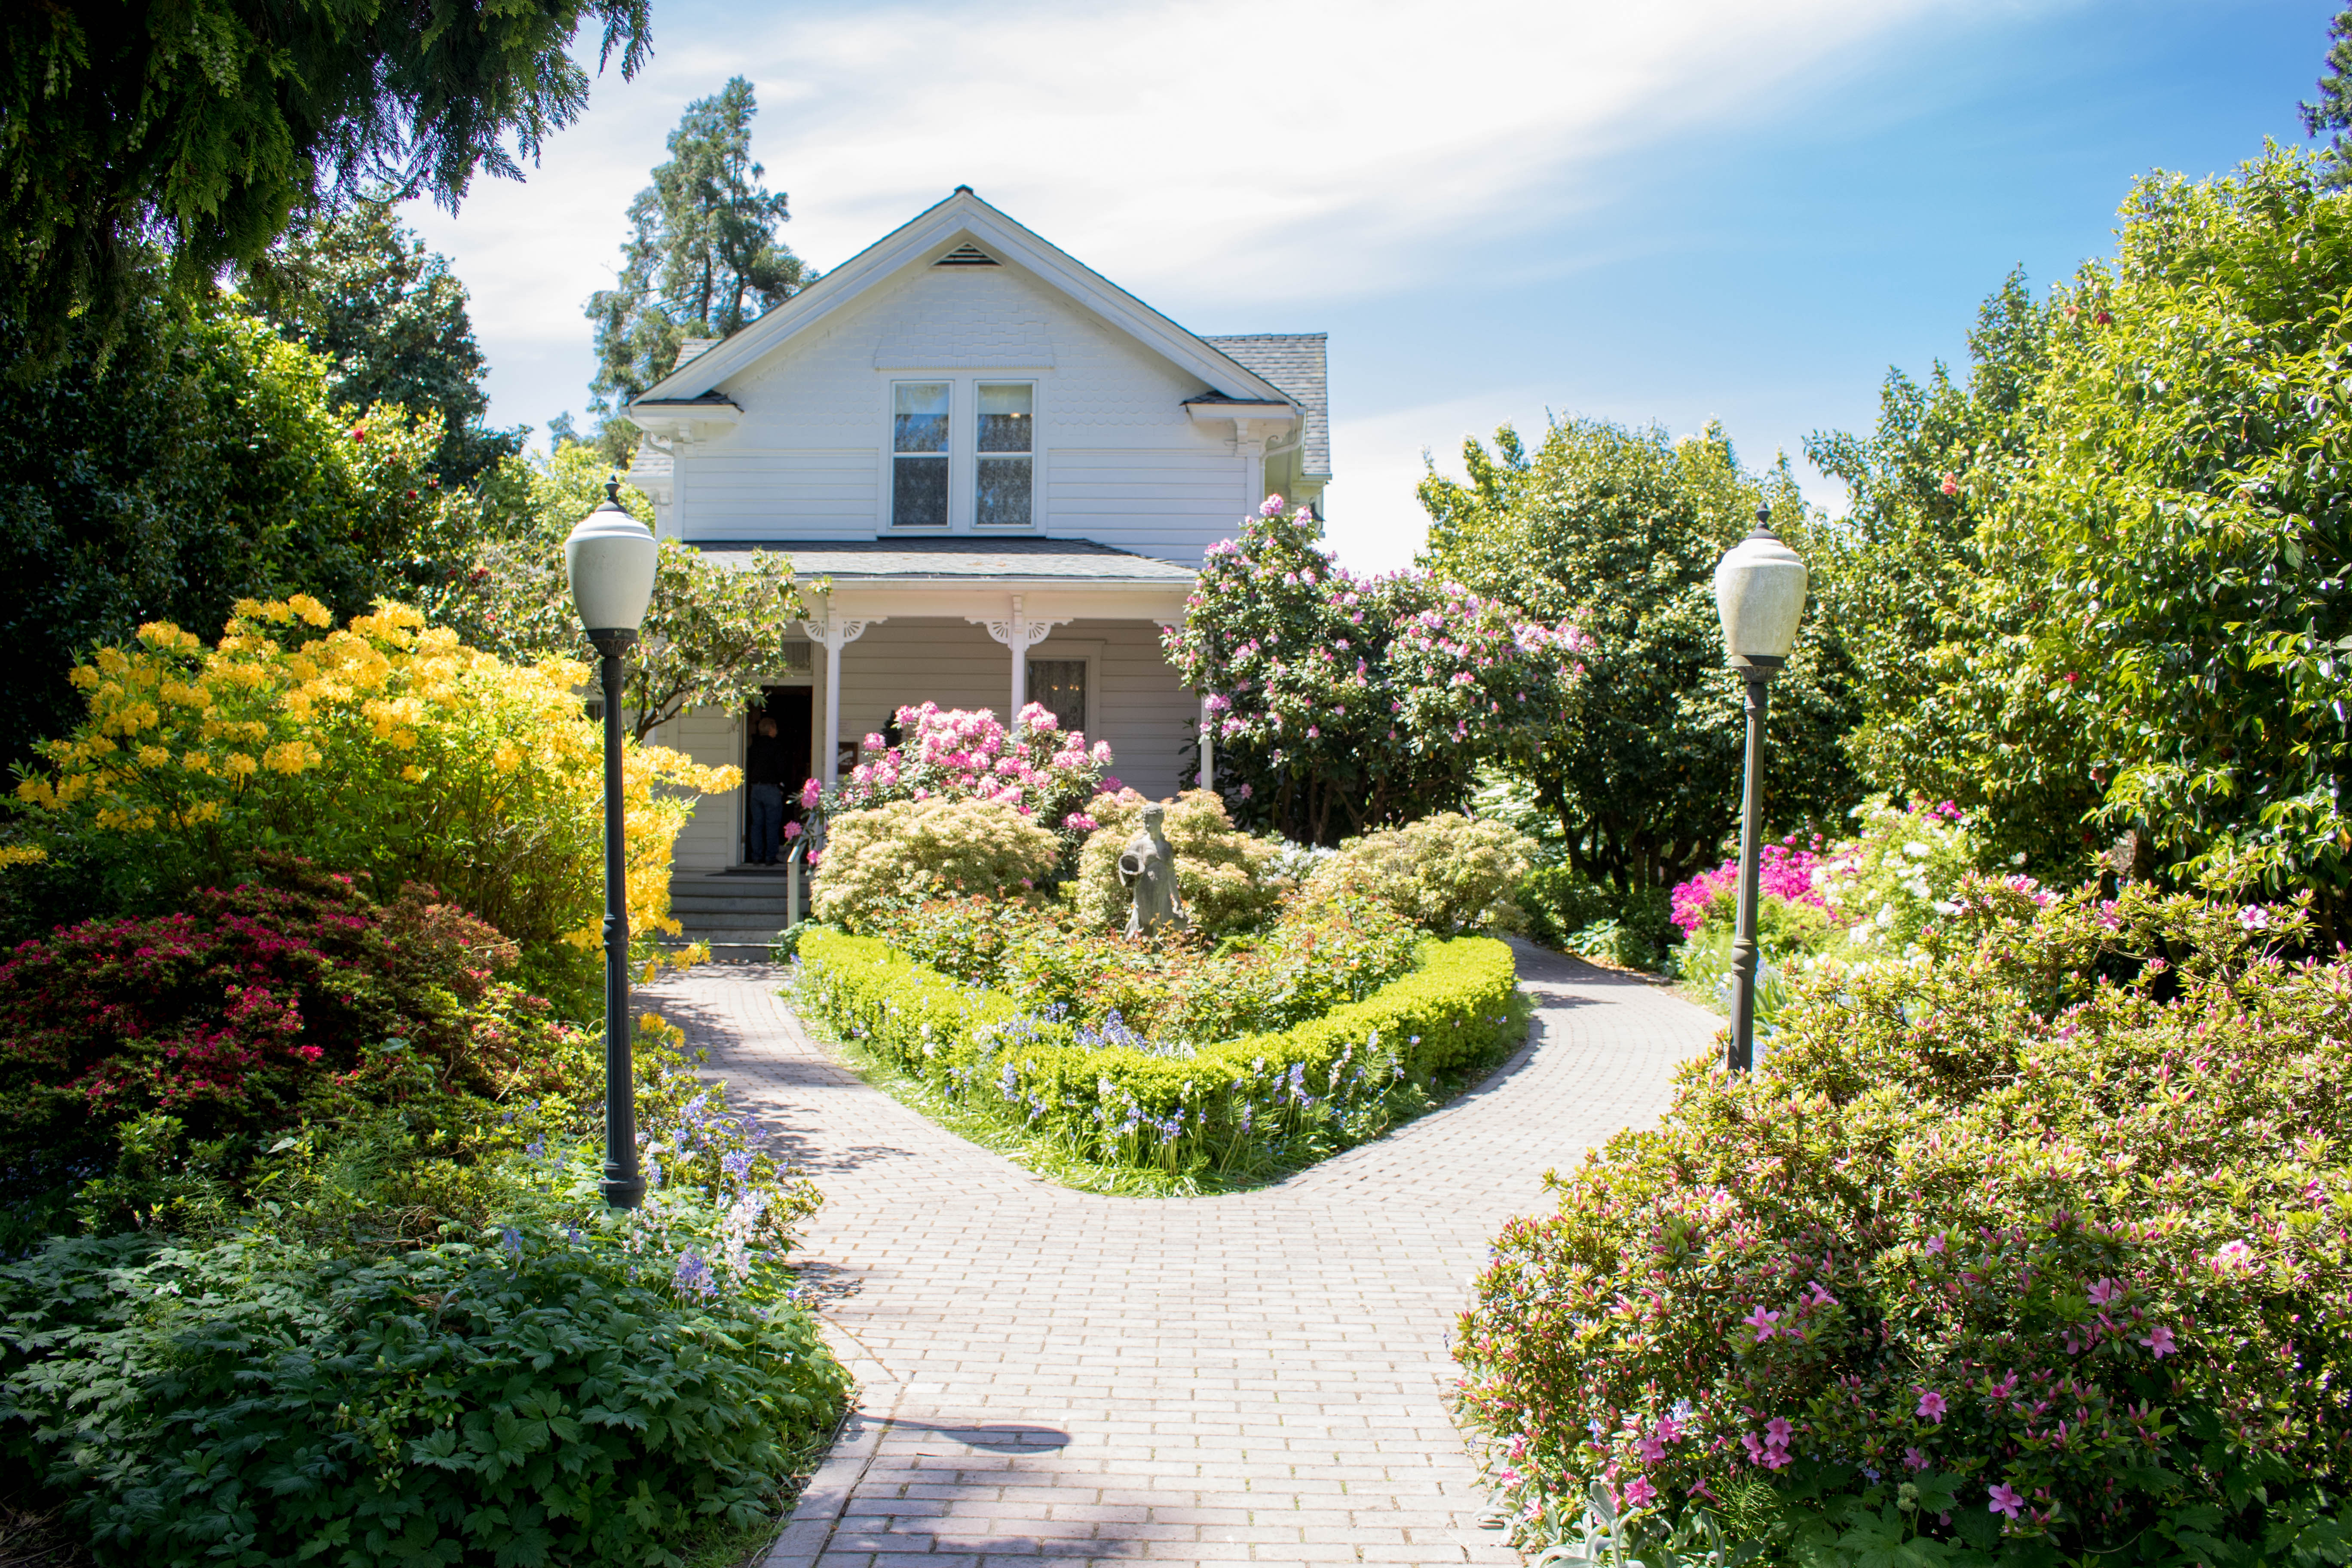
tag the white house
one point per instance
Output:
(1007, 468)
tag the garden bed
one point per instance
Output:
(1232, 1111)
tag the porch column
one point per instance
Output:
(1208, 746)
(834, 633)
(1020, 632)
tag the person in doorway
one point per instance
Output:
(764, 763)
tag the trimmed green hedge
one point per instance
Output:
(1307, 1091)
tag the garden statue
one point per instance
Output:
(1148, 866)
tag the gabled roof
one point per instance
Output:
(1295, 362)
(961, 219)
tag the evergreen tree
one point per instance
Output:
(2334, 110)
(702, 260)
(200, 126)
(357, 287)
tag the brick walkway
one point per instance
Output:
(1084, 1379)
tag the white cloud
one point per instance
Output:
(1373, 518)
(1208, 156)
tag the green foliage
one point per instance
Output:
(1567, 911)
(202, 463)
(203, 127)
(1448, 873)
(254, 1009)
(702, 260)
(1621, 531)
(1165, 993)
(2074, 1162)
(2151, 634)
(526, 1404)
(1236, 1106)
(909, 850)
(712, 634)
(1230, 881)
(356, 286)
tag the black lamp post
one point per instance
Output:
(1759, 591)
(610, 559)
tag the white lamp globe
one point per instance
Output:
(610, 559)
(1759, 591)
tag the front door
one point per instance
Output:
(782, 759)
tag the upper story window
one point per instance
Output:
(918, 454)
(1002, 496)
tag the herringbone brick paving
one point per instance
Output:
(1257, 1377)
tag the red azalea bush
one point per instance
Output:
(2034, 1249)
(234, 1016)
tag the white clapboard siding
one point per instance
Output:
(781, 495)
(1168, 504)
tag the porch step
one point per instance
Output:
(739, 915)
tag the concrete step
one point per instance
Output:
(707, 903)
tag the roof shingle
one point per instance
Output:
(1293, 361)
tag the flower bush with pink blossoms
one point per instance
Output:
(1342, 704)
(2034, 1249)
(1039, 770)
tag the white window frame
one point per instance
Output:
(1077, 651)
(963, 453)
(890, 453)
(973, 488)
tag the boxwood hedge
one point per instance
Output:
(1301, 1092)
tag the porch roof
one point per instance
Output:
(1081, 563)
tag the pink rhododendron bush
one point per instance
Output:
(1037, 769)
(2031, 1249)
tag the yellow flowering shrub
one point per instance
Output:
(386, 746)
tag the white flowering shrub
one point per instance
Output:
(1230, 881)
(909, 850)
(1446, 873)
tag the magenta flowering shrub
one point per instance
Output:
(1038, 769)
(2034, 1249)
(1783, 872)
(1341, 703)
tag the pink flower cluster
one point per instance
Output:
(1783, 872)
(955, 753)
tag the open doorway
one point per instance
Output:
(775, 758)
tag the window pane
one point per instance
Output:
(919, 492)
(1004, 417)
(920, 417)
(1059, 686)
(1004, 492)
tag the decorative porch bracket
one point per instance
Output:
(834, 633)
(1020, 633)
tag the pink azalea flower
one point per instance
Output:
(1935, 1244)
(791, 830)
(2006, 1499)
(1762, 1323)
(1915, 1459)
(1951, 486)
(2158, 1340)
(2253, 917)
(1932, 1405)
(1777, 1432)
(874, 740)
(1638, 1492)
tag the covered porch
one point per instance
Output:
(964, 623)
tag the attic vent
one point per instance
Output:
(966, 255)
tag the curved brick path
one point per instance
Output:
(1084, 1379)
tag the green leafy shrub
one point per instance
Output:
(534, 1400)
(907, 850)
(1446, 873)
(2029, 1250)
(256, 1009)
(1567, 911)
(1167, 991)
(1303, 1092)
(1229, 880)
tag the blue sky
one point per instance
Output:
(1670, 213)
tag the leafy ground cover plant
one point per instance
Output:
(2031, 1249)
(1235, 1109)
(1168, 993)
(1446, 873)
(1231, 881)
(385, 746)
(409, 1368)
